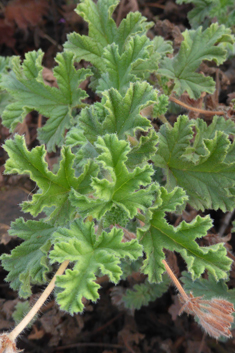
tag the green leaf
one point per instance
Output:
(28, 263)
(201, 10)
(122, 69)
(162, 46)
(143, 151)
(116, 113)
(25, 84)
(158, 234)
(197, 46)
(54, 188)
(123, 113)
(205, 10)
(120, 187)
(207, 179)
(146, 292)
(204, 131)
(103, 31)
(161, 106)
(21, 310)
(80, 245)
(208, 288)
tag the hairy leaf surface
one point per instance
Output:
(25, 84)
(207, 178)
(222, 10)
(54, 188)
(143, 293)
(137, 61)
(120, 187)
(103, 31)
(115, 114)
(197, 46)
(157, 235)
(208, 288)
(28, 263)
(89, 254)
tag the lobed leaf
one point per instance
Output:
(28, 263)
(208, 288)
(120, 187)
(223, 10)
(146, 292)
(157, 235)
(25, 84)
(54, 188)
(80, 245)
(138, 60)
(197, 46)
(207, 178)
(103, 31)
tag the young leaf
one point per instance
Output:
(197, 46)
(54, 188)
(157, 235)
(123, 113)
(116, 113)
(204, 131)
(80, 245)
(121, 188)
(137, 60)
(28, 263)
(146, 292)
(103, 31)
(207, 179)
(26, 86)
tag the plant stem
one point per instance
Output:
(164, 120)
(26, 320)
(100, 228)
(141, 217)
(176, 282)
(198, 110)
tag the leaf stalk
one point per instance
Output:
(21, 326)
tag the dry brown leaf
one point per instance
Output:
(36, 334)
(169, 31)
(70, 16)
(195, 103)
(7, 34)
(174, 308)
(49, 78)
(129, 334)
(26, 13)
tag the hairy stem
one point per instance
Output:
(26, 320)
(175, 280)
(141, 217)
(198, 110)
(164, 120)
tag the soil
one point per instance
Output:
(104, 327)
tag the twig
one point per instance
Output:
(198, 110)
(155, 5)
